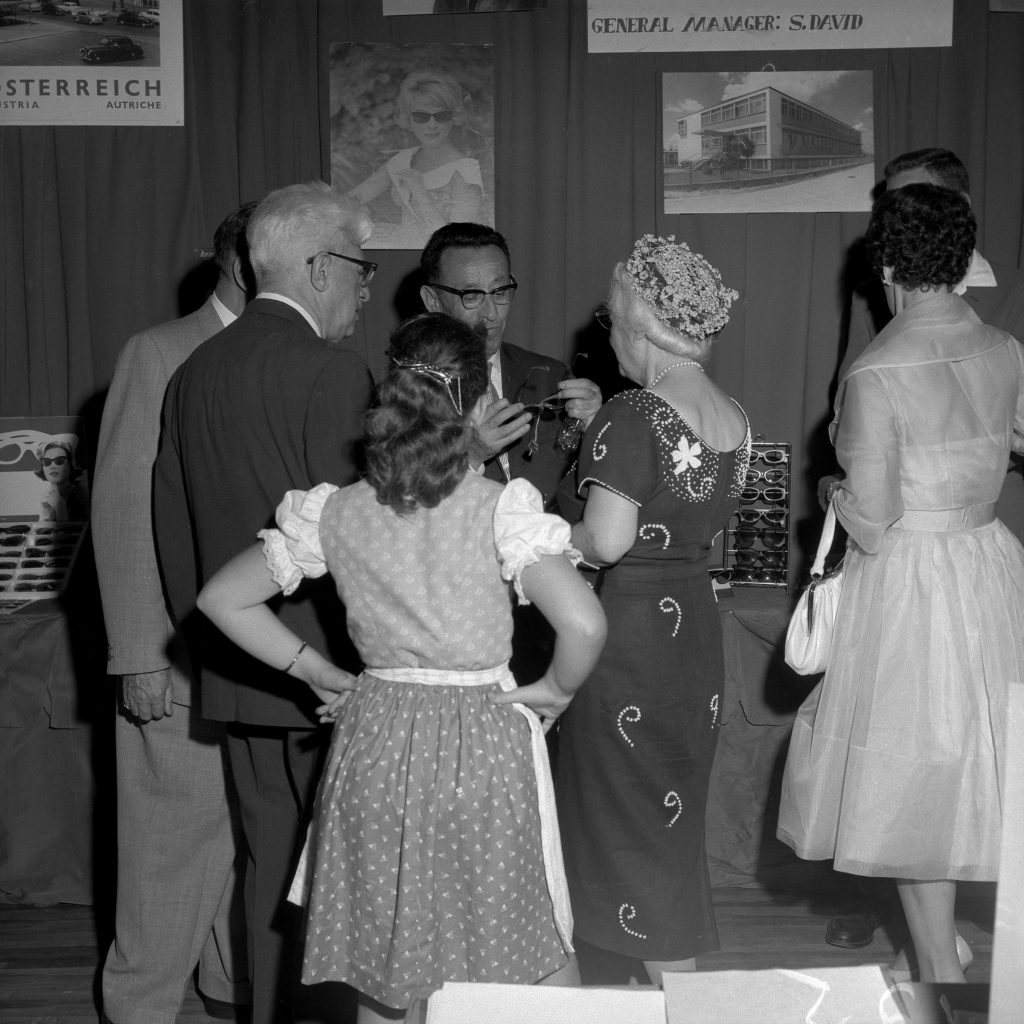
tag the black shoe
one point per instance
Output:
(852, 931)
(220, 1009)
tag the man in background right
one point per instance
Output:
(996, 293)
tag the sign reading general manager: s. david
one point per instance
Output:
(636, 26)
(117, 63)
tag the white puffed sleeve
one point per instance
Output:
(293, 551)
(523, 532)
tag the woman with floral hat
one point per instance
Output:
(660, 467)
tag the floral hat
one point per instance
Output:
(684, 291)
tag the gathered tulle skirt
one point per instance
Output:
(896, 760)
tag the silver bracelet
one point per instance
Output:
(298, 653)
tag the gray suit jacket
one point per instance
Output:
(140, 635)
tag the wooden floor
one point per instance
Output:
(49, 955)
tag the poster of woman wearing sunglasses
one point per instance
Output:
(44, 507)
(411, 132)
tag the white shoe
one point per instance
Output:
(963, 951)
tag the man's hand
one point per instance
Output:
(826, 485)
(147, 695)
(502, 423)
(583, 398)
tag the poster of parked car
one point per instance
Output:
(767, 141)
(95, 62)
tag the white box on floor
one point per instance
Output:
(817, 995)
(458, 1003)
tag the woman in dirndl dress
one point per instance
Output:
(434, 854)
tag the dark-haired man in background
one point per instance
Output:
(177, 901)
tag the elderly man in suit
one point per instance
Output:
(467, 274)
(177, 904)
(271, 404)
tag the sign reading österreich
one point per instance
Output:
(636, 26)
(115, 63)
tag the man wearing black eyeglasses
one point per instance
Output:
(467, 274)
(271, 404)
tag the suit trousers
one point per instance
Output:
(178, 904)
(276, 772)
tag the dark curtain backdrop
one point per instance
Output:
(100, 227)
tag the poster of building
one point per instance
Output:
(412, 136)
(640, 26)
(113, 62)
(767, 142)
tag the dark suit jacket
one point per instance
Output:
(262, 408)
(529, 377)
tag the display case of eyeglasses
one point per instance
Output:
(756, 547)
(36, 559)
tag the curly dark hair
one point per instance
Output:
(925, 233)
(415, 439)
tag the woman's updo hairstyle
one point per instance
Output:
(925, 233)
(416, 436)
(672, 296)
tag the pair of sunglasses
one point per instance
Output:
(773, 456)
(774, 540)
(768, 476)
(774, 494)
(739, 574)
(440, 116)
(773, 516)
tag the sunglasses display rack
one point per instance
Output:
(756, 552)
(36, 558)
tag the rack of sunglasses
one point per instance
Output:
(756, 551)
(36, 558)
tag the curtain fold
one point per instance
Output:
(100, 228)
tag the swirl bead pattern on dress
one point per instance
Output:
(627, 912)
(631, 713)
(648, 530)
(668, 605)
(672, 800)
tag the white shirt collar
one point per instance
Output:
(291, 302)
(979, 274)
(225, 314)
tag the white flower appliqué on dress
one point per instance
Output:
(686, 456)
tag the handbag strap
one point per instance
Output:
(828, 532)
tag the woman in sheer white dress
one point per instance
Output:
(897, 757)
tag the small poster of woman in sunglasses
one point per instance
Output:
(64, 497)
(424, 140)
(44, 507)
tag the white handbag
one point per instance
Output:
(809, 637)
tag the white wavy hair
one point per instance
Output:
(294, 222)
